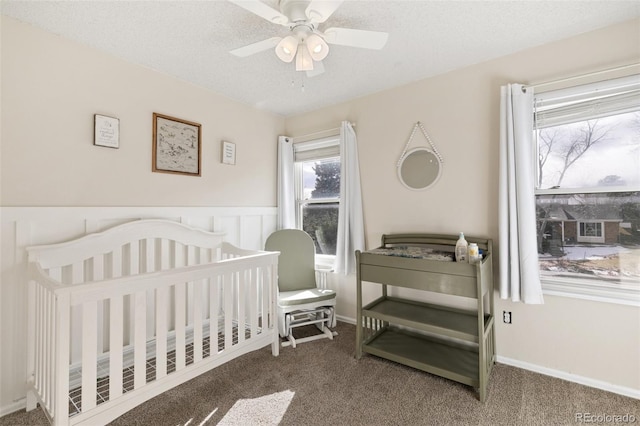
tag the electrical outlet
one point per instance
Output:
(506, 317)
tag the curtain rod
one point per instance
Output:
(591, 74)
(328, 132)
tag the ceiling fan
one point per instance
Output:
(305, 42)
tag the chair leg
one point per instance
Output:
(323, 321)
(291, 341)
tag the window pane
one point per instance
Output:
(320, 221)
(593, 235)
(593, 153)
(321, 178)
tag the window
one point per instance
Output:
(317, 167)
(590, 232)
(588, 190)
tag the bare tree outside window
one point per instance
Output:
(588, 224)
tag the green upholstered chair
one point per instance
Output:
(300, 301)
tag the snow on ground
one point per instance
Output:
(590, 252)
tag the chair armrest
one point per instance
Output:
(321, 275)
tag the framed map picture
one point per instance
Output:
(176, 145)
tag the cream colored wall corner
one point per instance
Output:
(597, 341)
(55, 184)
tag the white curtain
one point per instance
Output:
(286, 190)
(519, 273)
(350, 215)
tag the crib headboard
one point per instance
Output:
(138, 246)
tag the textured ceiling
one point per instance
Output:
(191, 40)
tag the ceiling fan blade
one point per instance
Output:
(260, 46)
(356, 38)
(262, 10)
(320, 10)
(318, 68)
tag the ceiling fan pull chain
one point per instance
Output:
(426, 135)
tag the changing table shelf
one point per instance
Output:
(445, 360)
(453, 343)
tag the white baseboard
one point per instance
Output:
(348, 320)
(21, 404)
(598, 384)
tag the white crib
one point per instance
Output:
(118, 317)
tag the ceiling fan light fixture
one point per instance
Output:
(304, 61)
(318, 48)
(286, 49)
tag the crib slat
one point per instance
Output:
(161, 332)
(190, 260)
(150, 254)
(77, 273)
(134, 268)
(266, 294)
(242, 281)
(227, 290)
(134, 258)
(116, 262)
(179, 255)
(140, 339)
(116, 316)
(165, 254)
(180, 325)
(89, 354)
(50, 345)
(77, 277)
(253, 301)
(197, 321)
(103, 319)
(165, 263)
(214, 307)
(60, 372)
(43, 373)
(150, 266)
(205, 284)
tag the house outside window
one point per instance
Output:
(588, 190)
(317, 182)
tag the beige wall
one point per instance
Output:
(52, 87)
(597, 341)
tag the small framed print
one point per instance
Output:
(106, 131)
(228, 153)
(176, 145)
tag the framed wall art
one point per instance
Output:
(106, 131)
(228, 154)
(176, 145)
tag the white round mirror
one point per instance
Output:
(419, 169)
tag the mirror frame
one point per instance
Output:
(407, 154)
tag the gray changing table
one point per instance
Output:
(453, 343)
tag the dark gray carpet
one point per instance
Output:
(321, 383)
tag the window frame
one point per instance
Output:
(580, 286)
(582, 237)
(321, 147)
